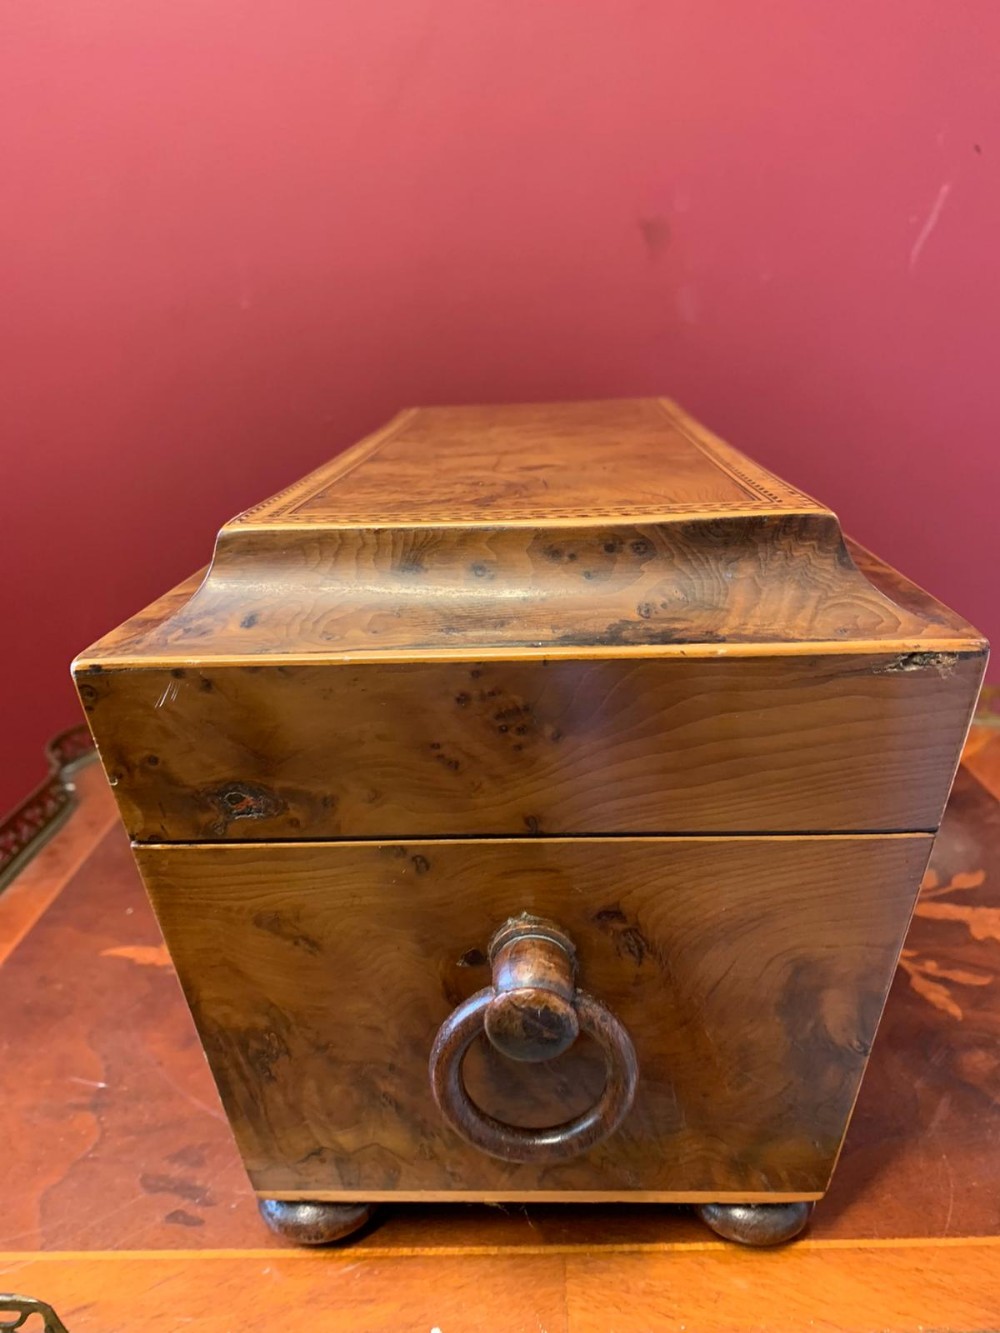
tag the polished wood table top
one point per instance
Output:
(126, 1208)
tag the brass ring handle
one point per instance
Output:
(532, 1012)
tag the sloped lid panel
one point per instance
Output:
(539, 463)
(526, 528)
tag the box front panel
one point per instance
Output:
(749, 972)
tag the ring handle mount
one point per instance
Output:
(532, 1012)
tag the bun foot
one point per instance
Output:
(308, 1223)
(755, 1223)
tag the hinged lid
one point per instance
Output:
(470, 530)
(582, 618)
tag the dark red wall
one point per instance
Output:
(237, 233)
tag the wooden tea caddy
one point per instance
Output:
(534, 800)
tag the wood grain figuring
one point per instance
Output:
(487, 663)
(126, 1206)
(800, 744)
(104, 1048)
(594, 525)
(523, 462)
(906, 1288)
(765, 579)
(565, 618)
(749, 973)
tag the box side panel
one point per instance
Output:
(750, 974)
(852, 742)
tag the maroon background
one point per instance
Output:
(236, 235)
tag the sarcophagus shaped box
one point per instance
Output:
(534, 801)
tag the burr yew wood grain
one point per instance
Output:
(584, 661)
(749, 972)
